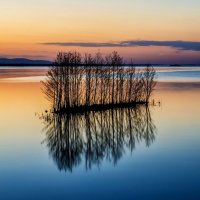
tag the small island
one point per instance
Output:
(77, 83)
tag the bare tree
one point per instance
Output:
(148, 82)
(94, 82)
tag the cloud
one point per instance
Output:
(179, 45)
(84, 44)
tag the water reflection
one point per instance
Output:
(96, 136)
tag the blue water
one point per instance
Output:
(157, 158)
(182, 75)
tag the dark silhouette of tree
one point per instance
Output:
(148, 82)
(76, 83)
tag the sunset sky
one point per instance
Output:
(149, 31)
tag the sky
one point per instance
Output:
(149, 31)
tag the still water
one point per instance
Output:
(118, 154)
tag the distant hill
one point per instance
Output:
(23, 62)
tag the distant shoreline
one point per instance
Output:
(25, 65)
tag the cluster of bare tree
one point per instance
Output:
(95, 136)
(91, 82)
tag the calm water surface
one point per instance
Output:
(122, 154)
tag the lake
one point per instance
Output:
(136, 153)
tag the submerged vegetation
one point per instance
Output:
(93, 137)
(77, 83)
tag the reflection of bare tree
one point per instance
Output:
(95, 136)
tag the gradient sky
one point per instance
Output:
(27, 24)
